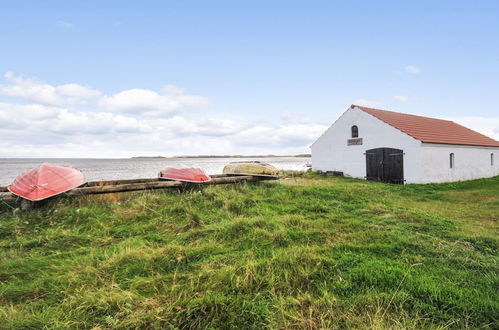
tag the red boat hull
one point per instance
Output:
(195, 175)
(46, 181)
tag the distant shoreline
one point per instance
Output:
(224, 156)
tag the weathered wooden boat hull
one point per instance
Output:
(251, 168)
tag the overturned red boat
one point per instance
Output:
(45, 181)
(194, 175)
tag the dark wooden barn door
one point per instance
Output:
(374, 164)
(385, 165)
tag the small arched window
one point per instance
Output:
(451, 160)
(491, 159)
(355, 131)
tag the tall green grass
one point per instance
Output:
(308, 252)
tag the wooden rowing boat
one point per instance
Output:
(251, 168)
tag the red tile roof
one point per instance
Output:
(431, 130)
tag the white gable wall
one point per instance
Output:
(331, 152)
(470, 162)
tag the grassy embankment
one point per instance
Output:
(306, 253)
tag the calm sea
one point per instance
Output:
(110, 169)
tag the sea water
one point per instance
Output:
(133, 168)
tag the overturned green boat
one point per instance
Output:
(251, 168)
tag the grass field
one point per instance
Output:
(309, 252)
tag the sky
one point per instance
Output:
(111, 79)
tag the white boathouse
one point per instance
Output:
(394, 147)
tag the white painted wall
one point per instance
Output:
(470, 162)
(331, 152)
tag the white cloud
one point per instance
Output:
(64, 24)
(28, 111)
(275, 137)
(402, 98)
(64, 128)
(36, 118)
(412, 69)
(143, 101)
(33, 90)
(101, 123)
(77, 91)
(61, 132)
(203, 127)
(137, 101)
(366, 103)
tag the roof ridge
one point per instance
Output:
(401, 113)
